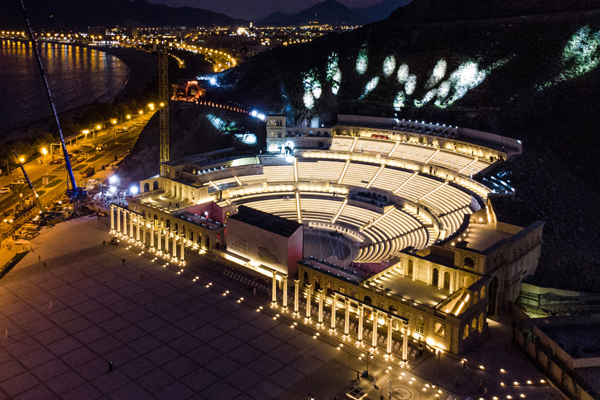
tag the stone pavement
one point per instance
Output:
(167, 336)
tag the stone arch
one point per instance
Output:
(469, 262)
(466, 331)
(146, 187)
(368, 300)
(447, 279)
(475, 297)
(168, 224)
(155, 220)
(155, 185)
(435, 277)
(393, 309)
(207, 242)
(481, 321)
(176, 230)
(482, 293)
(474, 324)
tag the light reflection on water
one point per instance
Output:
(77, 76)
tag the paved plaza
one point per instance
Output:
(170, 337)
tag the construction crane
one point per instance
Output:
(163, 93)
(74, 191)
(36, 198)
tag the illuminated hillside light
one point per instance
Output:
(439, 71)
(466, 77)
(362, 60)
(309, 100)
(370, 86)
(580, 55)
(399, 101)
(312, 84)
(411, 84)
(216, 122)
(334, 74)
(389, 66)
(427, 98)
(402, 73)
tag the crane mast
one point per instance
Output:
(163, 93)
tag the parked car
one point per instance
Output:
(57, 161)
(19, 182)
(5, 190)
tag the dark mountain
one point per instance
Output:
(80, 14)
(527, 70)
(275, 17)
(381, 11)
(328, 12)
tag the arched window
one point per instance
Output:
(168, 224)
(393, 310)
(306, 278)
(466, 332)
(207, 242)
(409, 273)
(481, 321)
(155, 220)
(474, 324)
(435, 279)
(155, 185)
(146, 187)
(368, 300)
(183, 230)
(199, 239)
(176, 228)
(476, 298)
(483, 293)
(469, 262)
(191, 236)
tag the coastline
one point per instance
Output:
(141, 68)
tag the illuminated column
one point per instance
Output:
(308, 287)
(167, 233)
(118, 220)
(112, 217)
(296, 296)
(175, 244)
(152, 235)
(124, 231)
(144, 231)
(158, 245)
(137, 228)
(405, 341)
(321, 296)
(347, 318)
(389, 336)
(375, 320)
(361, 314)
(285, 292)
(182, 244)
(131, 225)
(333, 309)
(274, 289)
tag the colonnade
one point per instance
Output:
(121, 216)
(347, 304)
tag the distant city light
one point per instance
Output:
(289, 159)
(113, 179)
(112, 189)
(134, 190)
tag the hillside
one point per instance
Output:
(381, 11)
(328, 12)
(527, 70)
(77, 14)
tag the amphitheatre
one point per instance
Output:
(379, 222)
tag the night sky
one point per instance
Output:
(250, 9)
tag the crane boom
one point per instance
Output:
(36, 198)
(55, 114)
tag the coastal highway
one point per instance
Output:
(116, 142)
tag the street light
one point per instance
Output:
(85, 132)
(367, 357)
(128, 116)
(44, 152)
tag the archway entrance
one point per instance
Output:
(409, 273)
(446, 280)
(492, 296)
(435, 279)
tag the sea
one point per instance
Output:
(78, 76)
